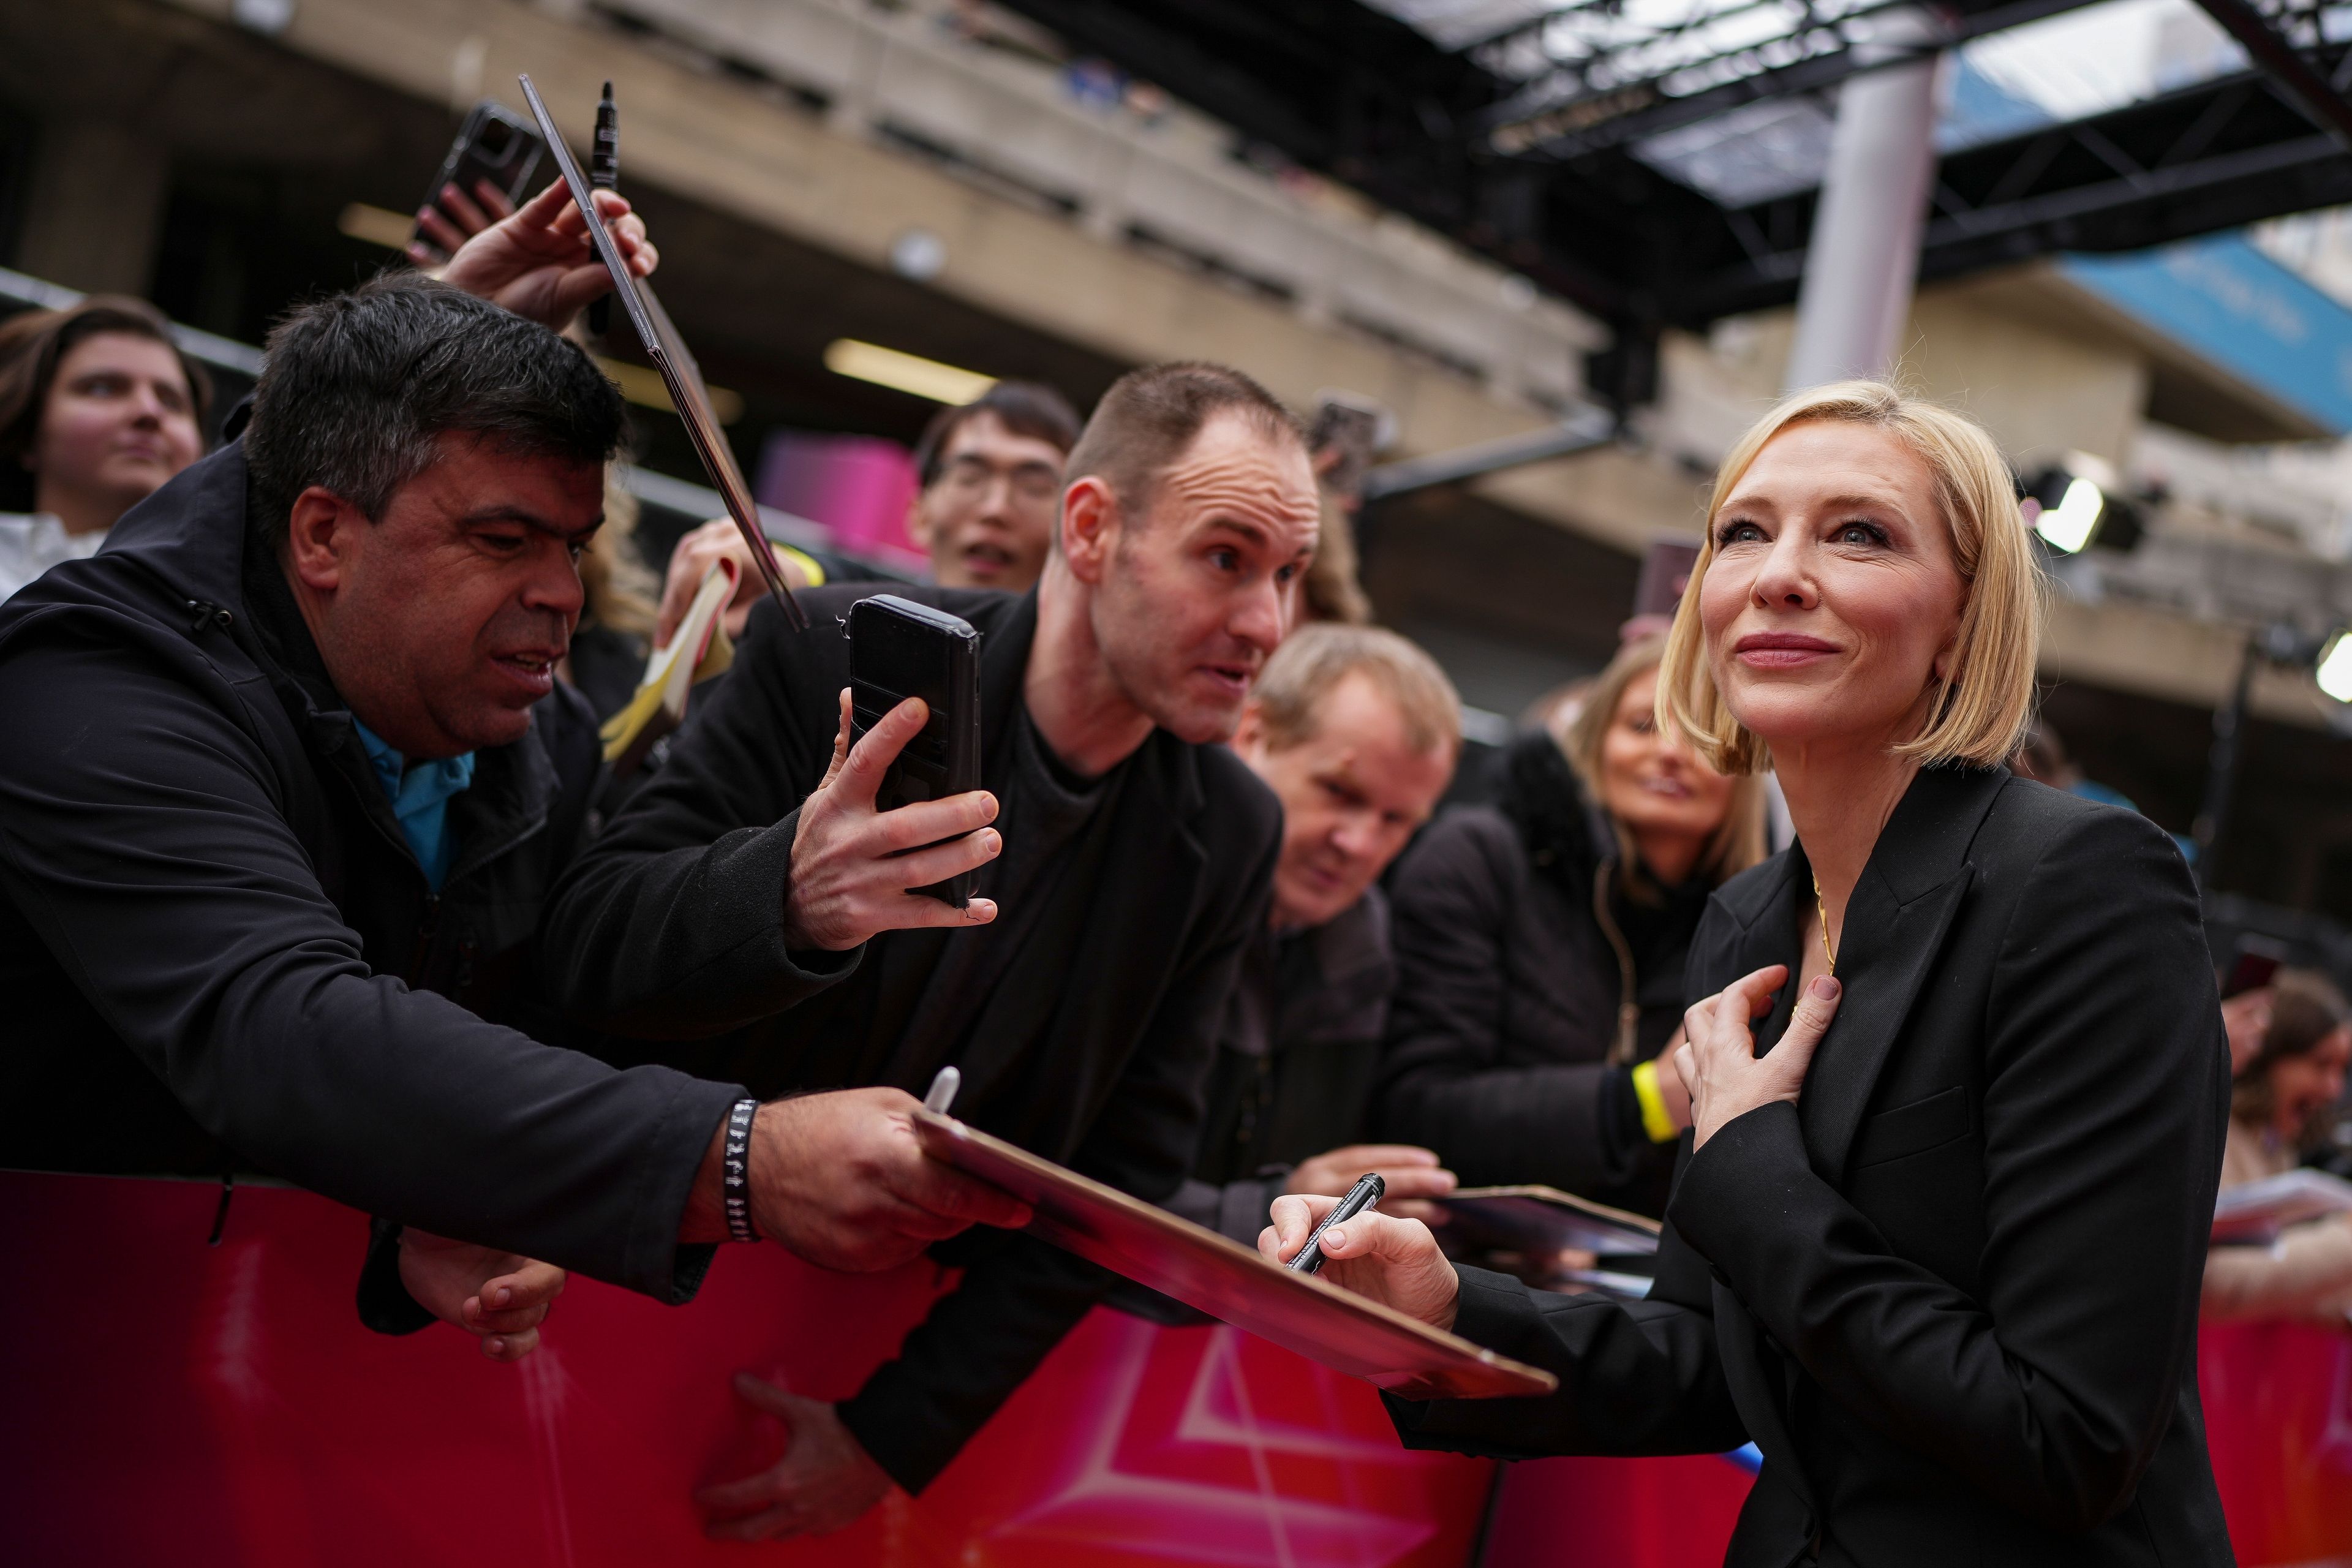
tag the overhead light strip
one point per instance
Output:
(905, 371)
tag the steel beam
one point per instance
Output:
(1580, 431)
(2280, 60)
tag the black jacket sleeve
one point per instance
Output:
(2102, 1103)
(670, 926)
(1446, 1085)
(964, 1360)
(1635, 1377)
(142, 835)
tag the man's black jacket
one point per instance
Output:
(1091, 1051)
(1296, 1059)
(1517, 955)
(219, 952)
(1951, 1293)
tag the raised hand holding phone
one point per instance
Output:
(900, 649)
(855, 863)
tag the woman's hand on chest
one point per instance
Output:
(1718, 1063)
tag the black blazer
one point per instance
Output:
(1091, 1051)
(1952, 1294)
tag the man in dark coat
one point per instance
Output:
(1356, 730)
(289, 776)
(1081, 997)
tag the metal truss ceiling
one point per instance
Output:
(1518, 142)
(1602, 73)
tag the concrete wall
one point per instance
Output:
(740, 147)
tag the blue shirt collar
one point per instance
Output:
(420, 799)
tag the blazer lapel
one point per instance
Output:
(1894, 926)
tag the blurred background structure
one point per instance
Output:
(1564, 242)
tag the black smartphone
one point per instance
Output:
(494, 144)
(899, 650)
(1350, 431)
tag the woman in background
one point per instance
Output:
(98, 408)
(2280, 1108)
(1540, 946)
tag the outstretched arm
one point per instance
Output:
(750, 871)
(142, 835)
(1637, 1377)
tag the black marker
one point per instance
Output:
(604, 173)
(1364, 1195)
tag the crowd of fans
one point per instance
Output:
(304, 871)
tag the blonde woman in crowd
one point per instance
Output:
(1936, 1250)
(1541, 943)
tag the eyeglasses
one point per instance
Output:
(973, 477)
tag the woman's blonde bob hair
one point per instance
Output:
(1738, 841)
(1986, 695)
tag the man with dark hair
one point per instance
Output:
(289, 776)
(1080, 994)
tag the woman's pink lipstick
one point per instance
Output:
(1780, 650)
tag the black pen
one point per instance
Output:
(1364, 1195)
(604, 174)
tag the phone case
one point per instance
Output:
(899, 650)
(509, 164)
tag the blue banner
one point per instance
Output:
(2244, 313)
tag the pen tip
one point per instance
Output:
(608, 92)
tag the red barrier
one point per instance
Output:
(168, 1402)
(1625, 1513)
(2278, 1414)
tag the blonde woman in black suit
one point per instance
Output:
(1958, 1069)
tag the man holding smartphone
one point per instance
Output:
(1124, 862)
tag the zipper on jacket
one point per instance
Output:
(1628, 1009)
(424, 928)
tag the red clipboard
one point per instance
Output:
(679, 372)
(1345, 1332)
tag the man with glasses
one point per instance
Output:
(992, 477)
(992, 491)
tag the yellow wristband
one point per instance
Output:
(1655, 1121)
(805, 561)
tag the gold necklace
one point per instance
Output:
(1822, 910)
